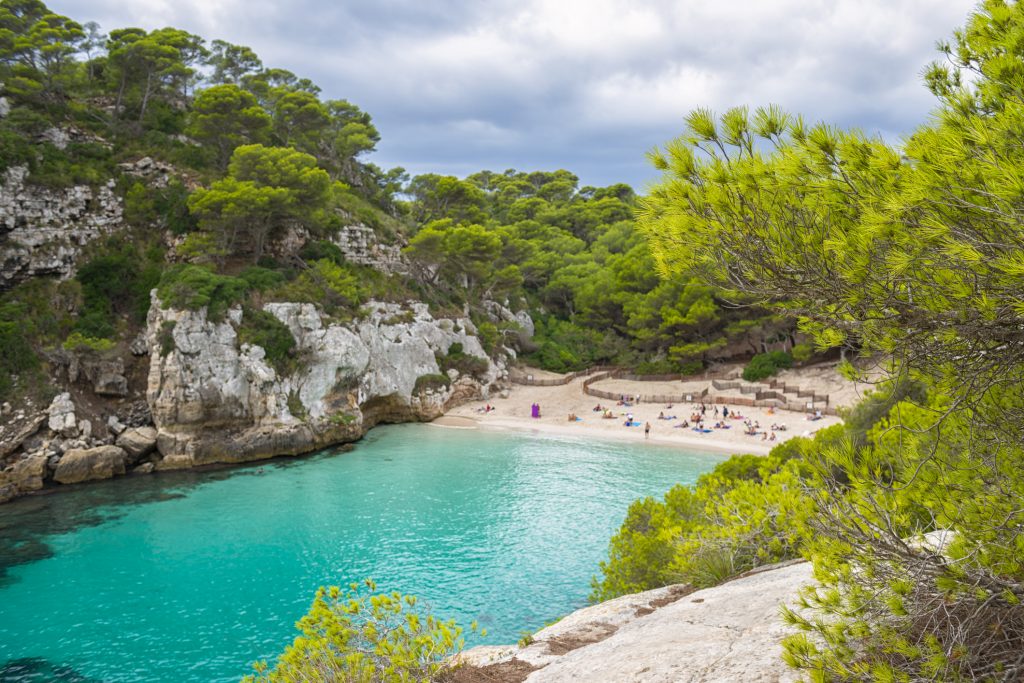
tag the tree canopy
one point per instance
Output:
(915, 254)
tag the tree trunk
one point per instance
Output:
(145, 96)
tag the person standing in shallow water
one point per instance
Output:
(647, 430)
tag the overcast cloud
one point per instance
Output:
(456, 86)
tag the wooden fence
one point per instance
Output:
(529, 380)
(774, 396)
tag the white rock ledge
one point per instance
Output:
(731, 632)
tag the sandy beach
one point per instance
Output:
(556, 403)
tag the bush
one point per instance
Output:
(261, 279)
(803, 352)
(190, 287)
(749, 511)
(16, 354)
(260, 328)
(431, 383)
(166, 337)
(355, 635)
(322, 249)
(80, 342)
(458, 359)
(336, 288)
(766, 364)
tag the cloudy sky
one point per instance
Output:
(456, 86)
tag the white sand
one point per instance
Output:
(556, 403)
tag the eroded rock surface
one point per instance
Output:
(43, 230)
(214, 400)
(729, 633)
(87, 464)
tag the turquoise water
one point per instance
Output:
(192, 576)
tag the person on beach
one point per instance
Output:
(647, 430)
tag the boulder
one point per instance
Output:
(21, 433)
(137, 442)
(110, 380)
(139, 345)
(62, 415)
(90, 463)
(114, 425)
(144, 468)
(28, 474)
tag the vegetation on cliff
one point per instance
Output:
(259, 170)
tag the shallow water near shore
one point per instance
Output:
(192, 576)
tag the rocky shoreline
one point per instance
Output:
(211, 400)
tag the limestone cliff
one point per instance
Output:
(215, 400)
(43, 230)
(731, 632)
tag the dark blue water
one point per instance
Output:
(192, 576)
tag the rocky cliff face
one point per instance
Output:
(42, 231)
(215, 400)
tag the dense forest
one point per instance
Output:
(258, 156)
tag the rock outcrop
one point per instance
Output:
(137, 442)
(360, 244)
(731, 632)
(87, 464)
(214, 400)
(43, 231)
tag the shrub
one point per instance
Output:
(322, 249)
(355, 635)
(431, 382)
(803, 352)
(766, 364)
(295, 405)
(79, 342)
(260, 328)
(166, 337)
(336, 288)
(194, 287)
(459, 360)
(261, 279)
(16, 354)
(749, 511)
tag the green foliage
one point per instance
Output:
(226, 116)
(566, 347)
(261, 328)
(80, 342)
(766, 364)
(264, 188)
(116, 282)
(261, 279)
(195, 287)
(336, 288)
(295, 405)
(913, 253)
(431, 383)
(802, 352)
(16, 354)
(149, 69)
(574, 256)
(356, 635)
(749, 511)
(167, 337)
(458, 359)
(36, 50)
